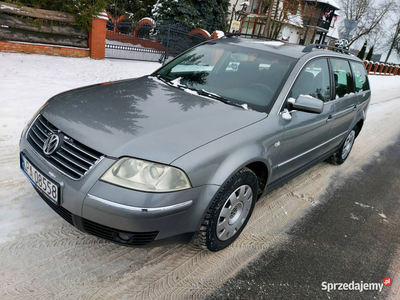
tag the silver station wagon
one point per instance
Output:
(183, 154)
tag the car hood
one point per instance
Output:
(144, 118)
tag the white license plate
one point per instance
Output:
(40, 181)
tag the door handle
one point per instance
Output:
(330, 117)
(355, 107)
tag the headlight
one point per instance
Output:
(146, 176)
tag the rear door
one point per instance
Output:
(361, 81)
(346, 101)
(305, 133)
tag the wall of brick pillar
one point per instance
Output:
(97, 38)
(9, 46)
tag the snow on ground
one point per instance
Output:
(384, 87)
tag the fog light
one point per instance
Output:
(123, 236)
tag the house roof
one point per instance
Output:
(332, 3)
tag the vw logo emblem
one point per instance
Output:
(51, 144)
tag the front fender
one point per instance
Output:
(215, 162)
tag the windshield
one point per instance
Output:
(239, 75)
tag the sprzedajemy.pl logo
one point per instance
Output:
(355, 286)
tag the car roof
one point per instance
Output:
(279, 47)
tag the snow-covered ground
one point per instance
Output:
(41, 256)
(384, 87)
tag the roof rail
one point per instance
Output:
(251, 35)
(312, 46)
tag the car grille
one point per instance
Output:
(72, 158)
(136, 238)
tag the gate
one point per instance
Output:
(148, 41)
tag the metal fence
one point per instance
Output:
(146, 41)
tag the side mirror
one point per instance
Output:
(308, 104)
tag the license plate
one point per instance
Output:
(40, 181)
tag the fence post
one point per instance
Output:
(97, 36)
(376, 68)
(381, 68)
(369, 67)
(385, 69)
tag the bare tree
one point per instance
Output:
(393, 31)
(277, 14)
(368, 14)
(395, 41)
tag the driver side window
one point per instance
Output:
(313, 80)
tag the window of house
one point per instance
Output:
(253, 26)
(360, 76)
(255, 4)
(313, 80)
(343, 77)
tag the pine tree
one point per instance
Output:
(206, 14)
(176, 12)
(370, 53)
(213, 12)
(361, 54)
(146, 7)
(133, 10)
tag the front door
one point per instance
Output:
(305, 133)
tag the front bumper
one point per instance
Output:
(108, 211)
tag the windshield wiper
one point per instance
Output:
(171, 82)
(203, 92)
(163, 79)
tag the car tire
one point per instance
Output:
(342, 154)
(229, 212)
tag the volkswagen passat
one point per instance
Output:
(183, 154)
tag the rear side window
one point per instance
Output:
(360, 76)
(343, 77)
(314, 81)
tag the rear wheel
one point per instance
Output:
(229, 211)
(341, 155)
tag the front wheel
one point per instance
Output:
(341, 155)
(229, 212)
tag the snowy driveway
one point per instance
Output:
(42, 256)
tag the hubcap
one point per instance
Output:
(348, 143)
(234, 212)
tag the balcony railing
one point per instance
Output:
(316, 22)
